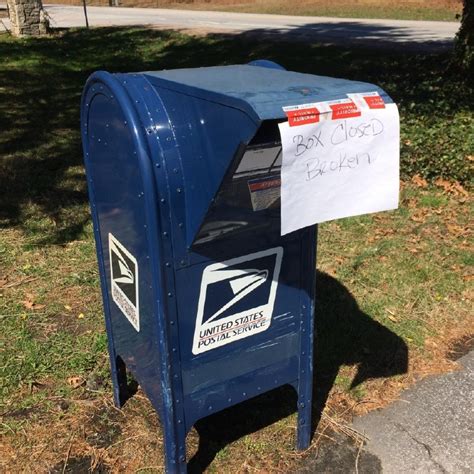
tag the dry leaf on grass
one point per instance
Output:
(458, 188)
(417, 180)
(75, 382)
(456, 229)
(451, 187)
(29, 303)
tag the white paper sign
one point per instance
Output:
(339, 167)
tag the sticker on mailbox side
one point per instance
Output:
(236, 299)
(124, 281)
(264, 192)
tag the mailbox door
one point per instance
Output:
(240, 324)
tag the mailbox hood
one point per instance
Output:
(192, 127)
(259, 91)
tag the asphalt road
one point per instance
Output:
(430, 429)
(378, 33)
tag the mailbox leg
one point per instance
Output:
(119, 379)
(304, 426)
(175, 462)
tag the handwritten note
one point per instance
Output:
(344, 162)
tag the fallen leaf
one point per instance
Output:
(80, 315)
(384, 232)
(451, 187)
(458, 188)
(417, 180)
(443, 183)
(75, 382)
(29, 303)
(455, 229)
(66, 306)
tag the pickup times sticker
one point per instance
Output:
(124, 281)
(236, 299)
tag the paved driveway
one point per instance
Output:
(376, 33)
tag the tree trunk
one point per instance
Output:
(464, 48)
(27, 17)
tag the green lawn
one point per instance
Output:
(435, 10)
(388, 283)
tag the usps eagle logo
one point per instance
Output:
(124, 281)
(236, 299)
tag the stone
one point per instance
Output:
(27, 17)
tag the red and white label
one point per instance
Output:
(264, 184)
(344, 109)
(368, 100)
(314, 113)
(375, 102)
(302, 114)
(350, 107)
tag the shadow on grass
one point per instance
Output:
(41, 174)
(345, 336)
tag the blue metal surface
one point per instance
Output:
(205, 108)
(266, 63)
(259, 91)
(204, 302)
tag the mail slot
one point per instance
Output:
(205, 303)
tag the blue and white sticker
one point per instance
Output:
(124, 281)
(236, 299)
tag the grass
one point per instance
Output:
(394, 289)
(441, 10)
(437, 10)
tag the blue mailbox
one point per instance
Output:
(205, 303)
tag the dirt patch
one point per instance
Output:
(21, 413)
(79, 465)
(60, 322)
(461, 347)
(104, 428)
(340, 455)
